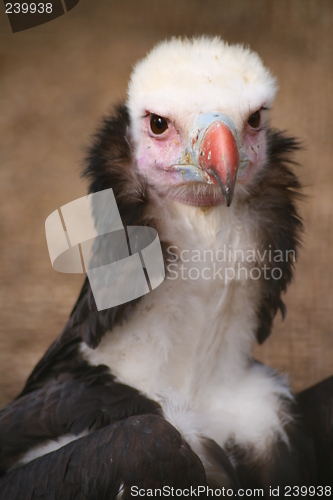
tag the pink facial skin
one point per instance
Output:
(254, 144)
(157, 154)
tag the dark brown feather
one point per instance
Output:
(144, 451)
(274, 199)
(83, 399)
(316, 404)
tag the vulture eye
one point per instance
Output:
(158, 125)
(254, 120)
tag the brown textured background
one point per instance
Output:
(57, 80)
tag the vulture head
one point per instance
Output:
(198, 119)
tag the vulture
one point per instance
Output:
(161, 395)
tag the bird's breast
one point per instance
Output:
(188, 343)
(199, 324)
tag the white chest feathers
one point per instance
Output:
(188, 344)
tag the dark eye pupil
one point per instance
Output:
(158, 124)
(254, 120)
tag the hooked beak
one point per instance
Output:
(218, 155)
(215, 152)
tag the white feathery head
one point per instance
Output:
(181, 78)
